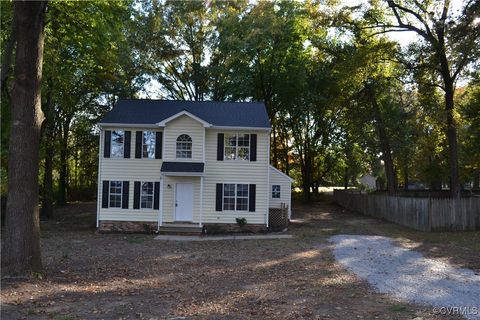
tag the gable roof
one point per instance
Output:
(218, 114)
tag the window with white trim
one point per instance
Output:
(237, 147)
(184, 147)
(116, 146)
(146, 195)
(148, 144)
(115, 194)
(276, 191)
(235, 197)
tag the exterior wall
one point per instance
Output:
(169, 197)
(131, 170)
(233, 171)
(276, 178)
(183, 125)
(236, 171)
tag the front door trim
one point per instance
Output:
(182, 209)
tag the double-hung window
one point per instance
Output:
(276, 191)
(115, 194)
(146, 195)
(237, 147)
(118, 137)
(235, 197)
(148, 144)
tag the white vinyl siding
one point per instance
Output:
(276, 178)
(238, 172)
(177, 127)
(127, 169)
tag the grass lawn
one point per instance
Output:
(116, 276)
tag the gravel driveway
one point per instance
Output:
(407, 275)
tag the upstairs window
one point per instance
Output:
(118, 138)
(276, 191)
(148, 145)
(115, 194)
(184, 147)
(237, 147)
(235, 197)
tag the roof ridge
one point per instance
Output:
(194, 101)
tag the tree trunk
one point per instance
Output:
(384, 146)
(452, 141)
(21, 250)
(63, 178)
(405, 174)
(345, 178)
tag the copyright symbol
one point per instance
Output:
(435, 310)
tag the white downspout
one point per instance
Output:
(99, 181)
(201, 201)
(268, 180)
(160, 210)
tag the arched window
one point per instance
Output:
(184, 147)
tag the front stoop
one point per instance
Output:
(179, 228)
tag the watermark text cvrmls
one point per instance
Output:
(462, 310)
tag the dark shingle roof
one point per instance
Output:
(228, 114)
(192, 167)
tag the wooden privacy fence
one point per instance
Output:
(425, 214)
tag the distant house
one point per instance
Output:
(368, 181)
(181, 163)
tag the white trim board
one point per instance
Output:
(181, 113)
(281, 173)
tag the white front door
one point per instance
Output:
(184, 202)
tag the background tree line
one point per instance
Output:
(343, 98)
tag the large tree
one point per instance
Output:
(450, 44)
(21, 250)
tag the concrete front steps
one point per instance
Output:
(180, 228)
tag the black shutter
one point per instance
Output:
(127, 144)
(136, 195)
(125, 191)
(156, 196)
(220, 142)
(253, 147)
(105, 189)
(158, 145)
(107, 140)
(251, 197)
(219, 197)
(138, 144)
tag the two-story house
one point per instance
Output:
(184, 163)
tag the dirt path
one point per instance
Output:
(95, 276)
